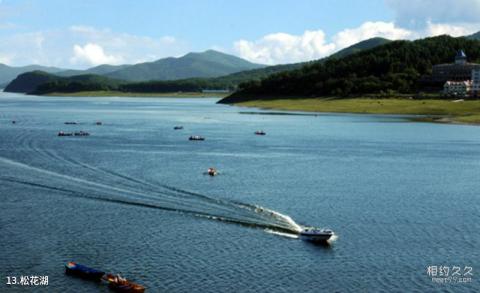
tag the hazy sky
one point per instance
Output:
(84, 33)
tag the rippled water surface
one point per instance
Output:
(132, 197)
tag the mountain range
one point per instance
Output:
(208, 64)
(201, 65)
(163, 72)
(193, 71)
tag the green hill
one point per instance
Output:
(475, 36)
(100, 70)
(360, 46)
(8, 73)
(394, 67)
(29, 81)
(206, 64)
(39, 82)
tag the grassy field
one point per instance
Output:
(434, 110)
(126, 94)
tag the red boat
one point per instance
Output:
(119, 284)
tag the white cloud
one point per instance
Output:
(82, 46)
(435, 29)
(285, 48)
(93, 54)
(417, 13)
(4, 59)
(369, 30)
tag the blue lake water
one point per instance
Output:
(132, 198)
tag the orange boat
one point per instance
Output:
(119, 284)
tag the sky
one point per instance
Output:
(85, 33)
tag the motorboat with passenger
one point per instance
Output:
(260, 132)
(316, 235)
(119, 284)
(212, 171)
(196, 137)
(178, 128)
(62, 133)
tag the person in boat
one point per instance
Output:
(120, 280)
(212, 171)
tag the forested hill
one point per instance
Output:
(392, 67)
(40, 82)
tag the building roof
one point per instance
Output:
(463, 82)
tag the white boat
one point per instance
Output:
(316, 235)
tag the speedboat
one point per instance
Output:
(74, 269)
(98, 123)
(70, 123)
(178, 127)
(315, 234)
(196, 137)
(260, 132)
(119, 284)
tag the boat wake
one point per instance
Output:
(125, 190)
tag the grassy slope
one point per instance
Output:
(434, 110)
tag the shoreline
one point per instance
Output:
(429, 110)
(134, 94)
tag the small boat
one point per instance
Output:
(98, 123)
(119, 284)
(71, 123)
(14, 122)
(316, 235)
(61, 133)
(178, 127)
(74, 269)
(212, 172)
(81, 133)
(196, 137)
(260, 132)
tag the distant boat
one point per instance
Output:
(61, 133)
(13, 121)
(316, 235)
(74, 269)
(81, 133)
(178, 127)
(196, 137)
(120, 284)
(98, 123)
(71, 123)
(212, 172)
(260, 132)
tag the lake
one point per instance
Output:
(132, 198)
